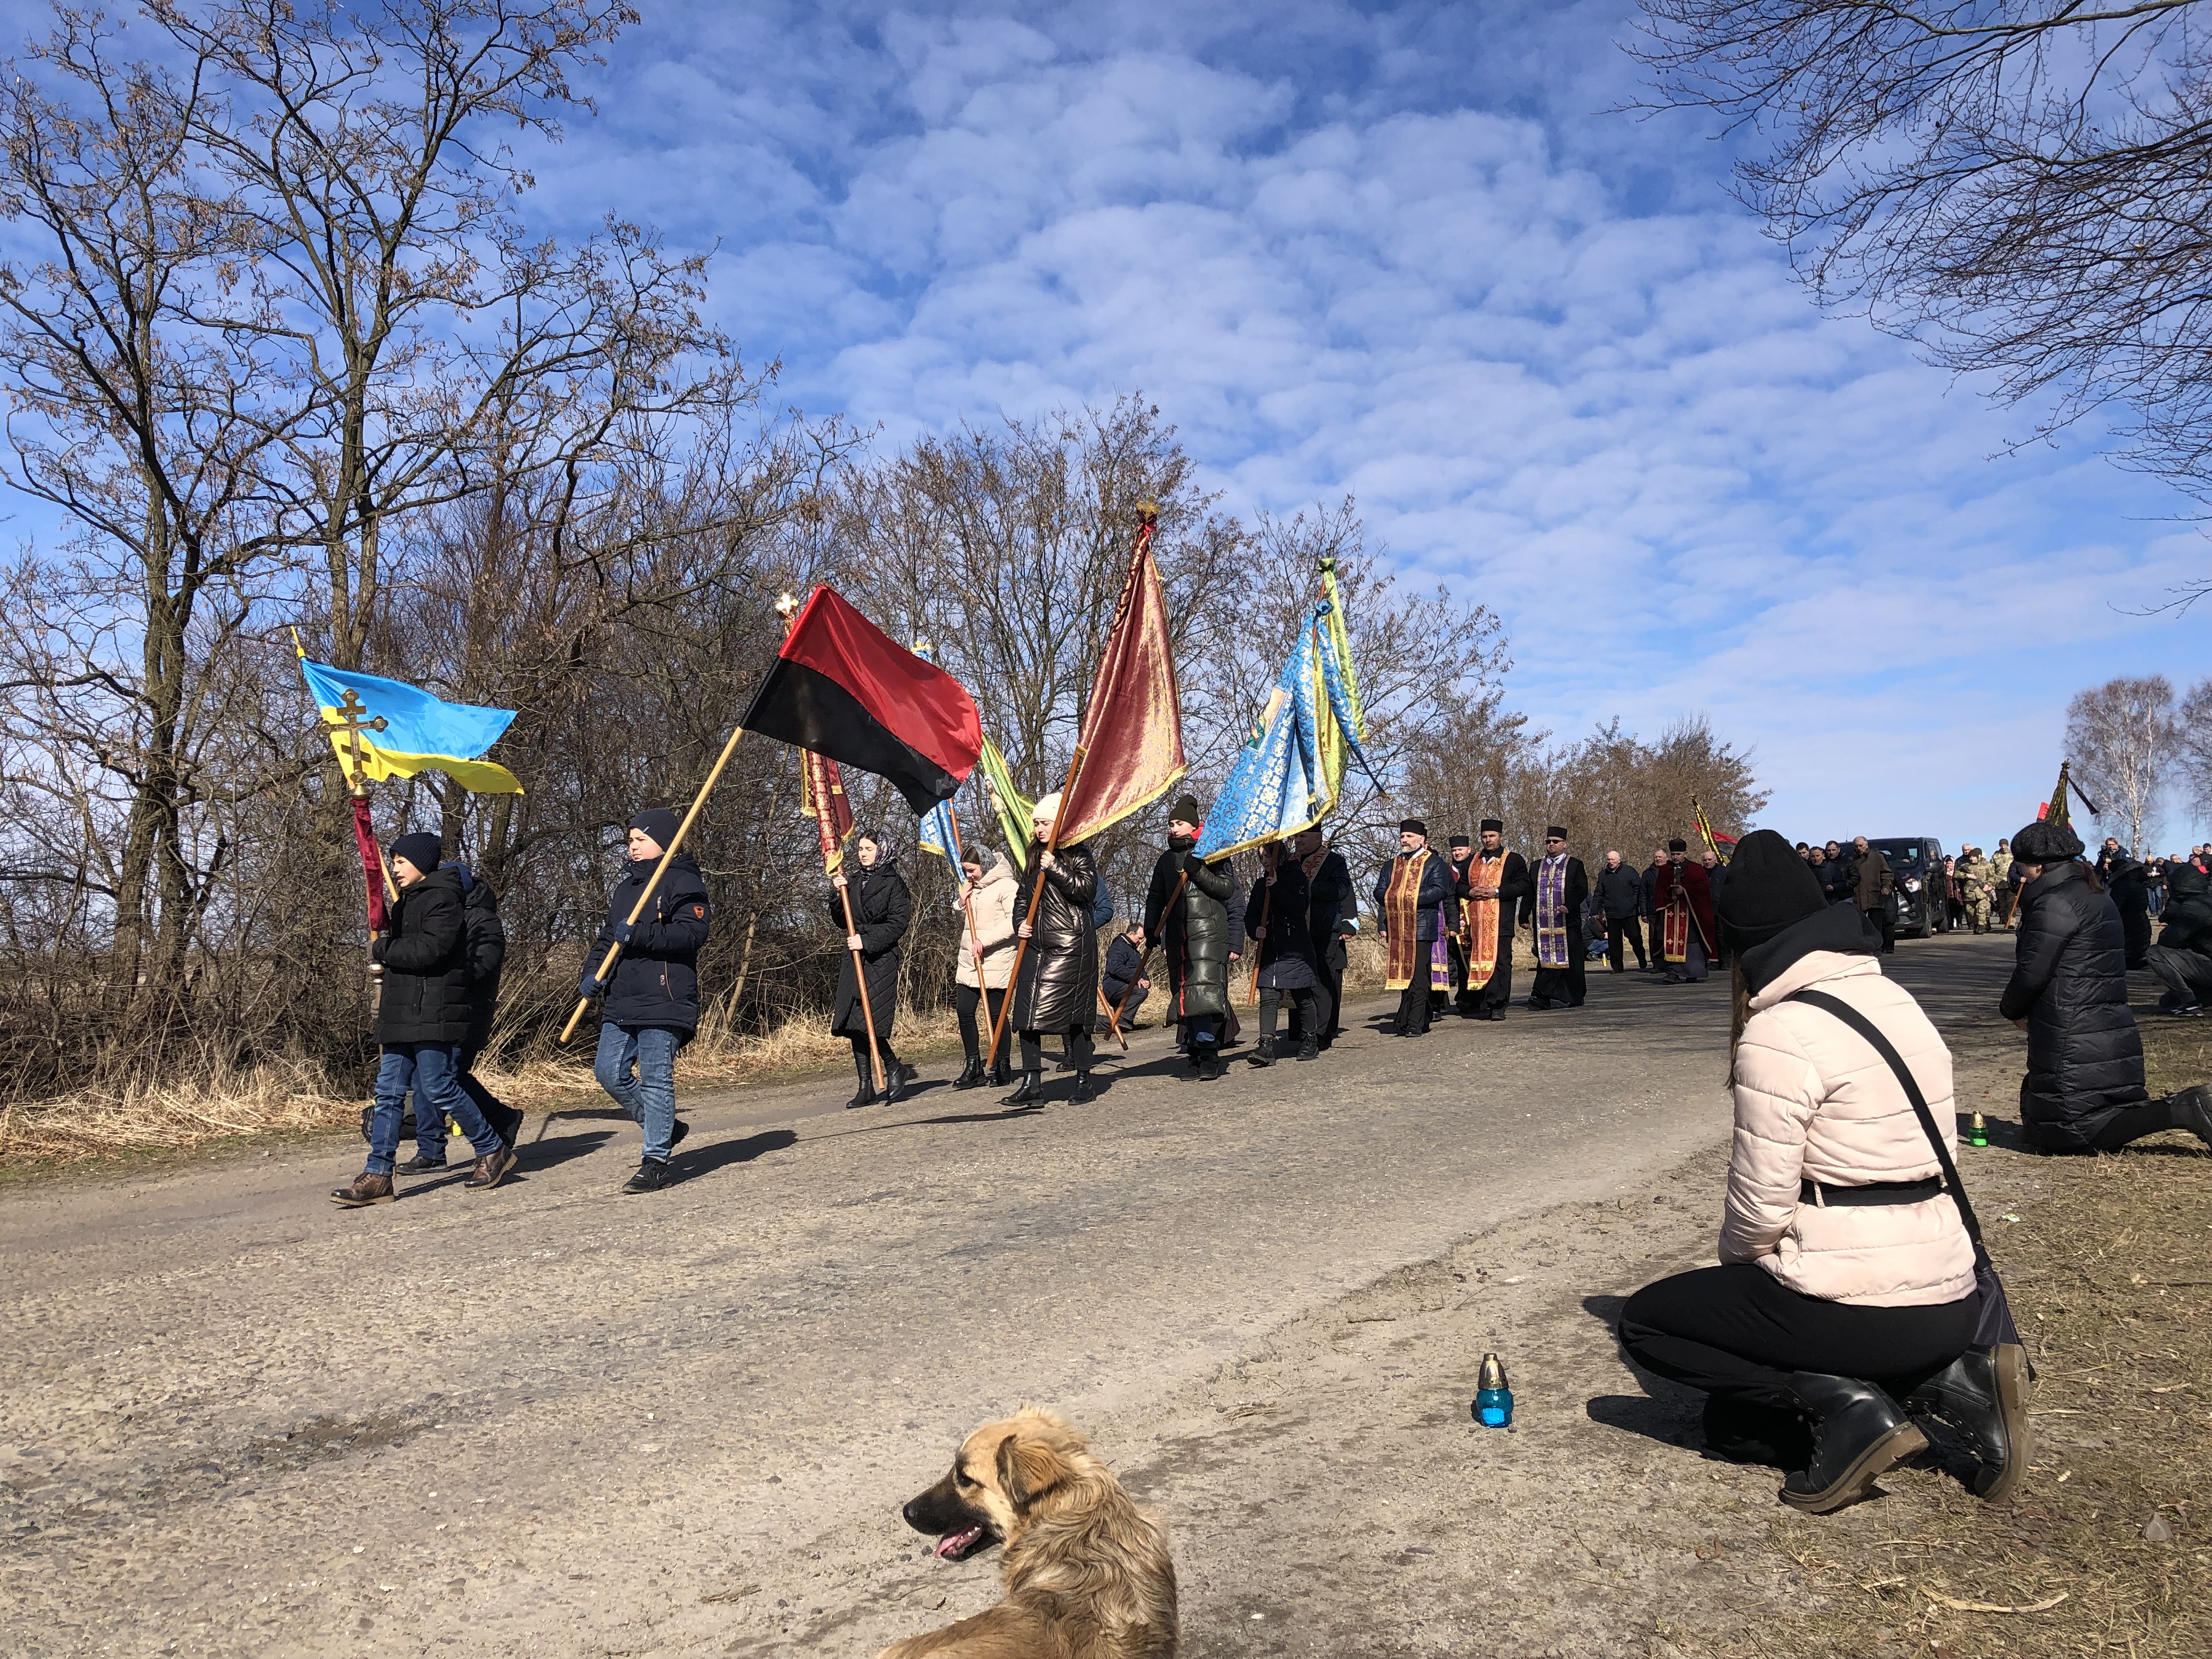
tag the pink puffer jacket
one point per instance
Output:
(1813, 1100)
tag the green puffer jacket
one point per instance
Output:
(1192, 929)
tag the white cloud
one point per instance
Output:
(1372, 254)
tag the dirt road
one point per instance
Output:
(554, 1421)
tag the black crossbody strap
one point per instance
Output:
(1867, 1028)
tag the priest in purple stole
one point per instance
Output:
(1562, 887)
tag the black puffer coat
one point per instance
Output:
(426, 964)
(883, 909)
(656, 980)
(1194, 929)
(487, 942)
(2070, 980)
(1057, 989)
(2128, 880)
(1286, 954)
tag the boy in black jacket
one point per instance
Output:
(653, 1005)
(423, 1023)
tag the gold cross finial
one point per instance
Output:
(353, 719)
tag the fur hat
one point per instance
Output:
(2045, 843)
(659, 822)
(1412, 827)
(1186, 809)
(1769, 887)
(422, 849)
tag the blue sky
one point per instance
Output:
(1408, 254)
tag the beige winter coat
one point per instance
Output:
(992, 901)
(1813, 1100)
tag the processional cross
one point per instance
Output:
(352, 720)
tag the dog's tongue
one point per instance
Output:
(950, 1547)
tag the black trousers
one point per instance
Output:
(1305, 1012)
(1883, 923)
(966, 999)
(2186, 975)
(1413, 1002)
(1618, 931)
(2132, 1123)
(1569, 984)
(1079, 1049)
(1738, 1331)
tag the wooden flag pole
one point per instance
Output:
(1036, 892)
(667, 854)
(967, 904)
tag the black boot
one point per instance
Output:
(971, 1074)
(1000, 1077)
(867, 1097)
(1209, 1064)
(898, 1078)
(1263, 1052)
(1030, 1092)
(1084, 1092)
(1309, 1049)
(1982, 1394)
(2192, 1110)
(1858, 1432)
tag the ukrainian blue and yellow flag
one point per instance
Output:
(384, 728)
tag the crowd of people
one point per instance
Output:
(1853, 1305)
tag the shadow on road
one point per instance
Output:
(542, 1154)
(722, 1153)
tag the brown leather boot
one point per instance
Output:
(366, 1189)
(489, 1171)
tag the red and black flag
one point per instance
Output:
(841, 688)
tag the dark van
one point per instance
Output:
(1916, 863)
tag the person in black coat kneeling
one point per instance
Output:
(2084, 1089)
(422, 1022)
(883, 909)
(651, 1005)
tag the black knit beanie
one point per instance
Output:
(1768, 888)
(2045, 843)
(659, 822)
(422, 849)
(1185, 810)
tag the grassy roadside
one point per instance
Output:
(2107, 1548)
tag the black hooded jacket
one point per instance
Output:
(2070, 981)
(1287, 962)
(656, 980)
(426, 964)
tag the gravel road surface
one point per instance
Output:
(555, 1421)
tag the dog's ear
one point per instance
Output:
(1028, 1469)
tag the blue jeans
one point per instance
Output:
(636, 1065)
(433, 1071)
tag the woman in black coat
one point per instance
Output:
(1275, 917)
(2084, 1088)
(883, 909)
(1056, 987)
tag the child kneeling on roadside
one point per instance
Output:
(423, 1024)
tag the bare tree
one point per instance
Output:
(2021, 186)
(2121, 736)
(2192, 747)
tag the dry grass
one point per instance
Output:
(300, 1094)
(2108, 1263)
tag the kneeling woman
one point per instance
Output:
(883, 909)
(1845, 1300)
(1056, 987)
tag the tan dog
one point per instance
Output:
(1087, 1571)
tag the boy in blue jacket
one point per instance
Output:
(651, 1005)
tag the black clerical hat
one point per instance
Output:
(1460, 841)
(1493, 825)
(1412, 827)
(1555, 833)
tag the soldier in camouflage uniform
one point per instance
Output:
(2001, 893)
(1975, 875)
